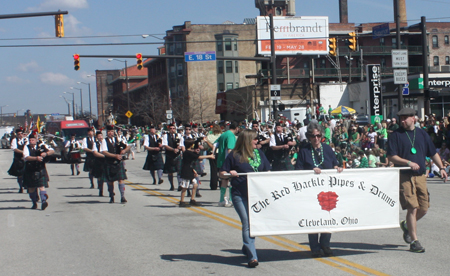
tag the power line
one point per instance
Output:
(78, 37)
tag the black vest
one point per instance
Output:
(112, 145)
(19, 147)
(35, 165)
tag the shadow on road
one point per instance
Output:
(87, 202)
(362, 246)
(16, 200)
(15, 208)
(74, 188)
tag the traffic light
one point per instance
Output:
(333, 46)
(76, 62)
(59, 25)
(140, 65)
(352, 42)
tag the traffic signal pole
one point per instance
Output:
(273, 62)
(397, 30)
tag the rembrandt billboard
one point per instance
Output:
(306, 35)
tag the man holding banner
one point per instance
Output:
(409, 146)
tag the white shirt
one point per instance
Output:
(84, 144)
(302, 133)
(75, 143)
(273, 142)
(26, 152)
(14, 143)
(165, 142)
(104, 145)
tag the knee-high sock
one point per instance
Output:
(170, 176)
(160, 173)
(222, 194)
(43, 196)
(111, 190)
(20, 181)
(91, 178)
(122, 190)
(78, 167)
(33, 196)
(152, 173)
(229, 193)
(100, 184)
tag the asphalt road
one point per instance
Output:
(80, 233)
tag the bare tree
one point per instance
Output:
(239, 103)
(202, 104)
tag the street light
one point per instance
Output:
(126, 78)
(73, 103)
(68, 104)
(1, 113)
(90, 106)
(81, 97)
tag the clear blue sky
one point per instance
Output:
(35, 77)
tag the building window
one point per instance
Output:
(235, 44)
(237, 85)
(219, 46)
(228, 44)
(229, 85)
(109, 78)
(435, 61)
(180, 69)
(221, 86)
(236, 66)
(323, 63)
(229, 66)
(447, 60)
(446, 40)
(435, 41)
(383, 62)
(394, 43)
(382, 41)
(220, 67)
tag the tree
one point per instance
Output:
(202, 104)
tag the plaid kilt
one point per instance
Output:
(282, 164)
(173, 162)
(29, 180)
(152, 165)
(88, 163)
(98, 167)
(114, 171)
(17, 167)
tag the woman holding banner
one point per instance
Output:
(317, 156)
(245, 158)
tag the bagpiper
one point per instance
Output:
(154, 161)
(18, 165)
(87, 146)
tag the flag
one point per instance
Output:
(38, 124)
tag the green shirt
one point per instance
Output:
(327, 135)
(364, 163)
(226, 142)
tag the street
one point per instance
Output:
(81, 233)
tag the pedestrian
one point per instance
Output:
(18, 165)
(154, 161)
(409, 146)
(88, 145)
(212, 136)
(244, 158)
(317, 156)
(35, 176)
(281, 143)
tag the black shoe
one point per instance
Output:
(327, 252)
(172, 189)
(416, 247)
(73, 173)
(92, 186)
(406, 237)
(111, 200)
(100, 193)
(316, 254)
(44, 205)
(154, 183)
(179, 188)
(194, 203)
(183, 204)
(253, 263)
(123, 200)
(203, 174)
(21, 191)
(34, 205)
(78, 172)
(160, 181)
(198, 194)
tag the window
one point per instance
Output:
(229, 65)
(382, 41)
(435, 41)
(394, 42)
(180, 69)
(229, 85)
(237, 85)
(447, 60)
(236, 66)
(383, 62)
(446, 40)
(109, 78)
(323, 63)
(235, 44)
(228, 44)
(220, 67)
(435, 61)
(221, 86)
(219, 46)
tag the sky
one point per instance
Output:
(36, 68)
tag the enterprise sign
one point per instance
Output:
(374, 83)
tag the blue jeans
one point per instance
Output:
(315, 244)
(241, 207)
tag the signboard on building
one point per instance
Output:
(400, 76)
(275, 92)
(306, 35)
(400, 58)
(380, 31)
(374, 84)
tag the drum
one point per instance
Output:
(75, 157)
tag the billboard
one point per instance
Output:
(374, 84)
(306, 35)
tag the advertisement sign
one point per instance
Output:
(380, 31)
(306, 35)
(374, 84)
(294, 202)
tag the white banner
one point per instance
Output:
(293, 202)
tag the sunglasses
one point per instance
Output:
(172, 128)
(315, 136)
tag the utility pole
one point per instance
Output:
(273, 62)
(426, 86)
(398, 37)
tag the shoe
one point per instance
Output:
(154, 183)
(416, 247)
(78, 172)
(73, 173)
(183, 204)
(34, 205)
(253, 263)
(179, 188)
(228, 203)
(21, 191)
(203, 174)
(92, 186)
(198, 195)
(327, 252)
(100, 193)
(160, 181)
(194, 203)
(123, 200)
(44, 205)
(316, 254)
(406, 237)
(111, 200)
(172, 189)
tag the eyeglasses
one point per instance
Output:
(315, 136)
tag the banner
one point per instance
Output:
(294, 202)
(374, 85)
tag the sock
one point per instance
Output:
(33, 196)
(122, 190)
(43, 196)
(111, 190)
(222, 194)
(170, 176)
(160, 172)
(91, 178)
(100, 184)
(229, 193)
(78, 167)
(179, 179)
(152, 173)
(20, 181)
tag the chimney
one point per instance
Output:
(291, 8)
(402, 11)
(343, 11)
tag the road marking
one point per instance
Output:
(335, 262)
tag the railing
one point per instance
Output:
(380, 50)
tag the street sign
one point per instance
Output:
(405, 89)
(400, 76)
(275, 92)
(380, 31)
(200, 56)
(169, 111)
(400, 58)
(129, 114)
(169, 116)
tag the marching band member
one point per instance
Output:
(87, 145)
(281, 143)
(35, 176)
(74, 153)
(154, 161)
(18, 165)
(98, 165)
(171, 143)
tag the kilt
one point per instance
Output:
(282, 164)
(98, 167)
(151, 164)
(17, 167)
(114, 171)
(173, 162)
(88, 163)
(32, 179)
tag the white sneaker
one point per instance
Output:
(228, 203)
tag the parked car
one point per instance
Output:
(362, 119)
(5, 141)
